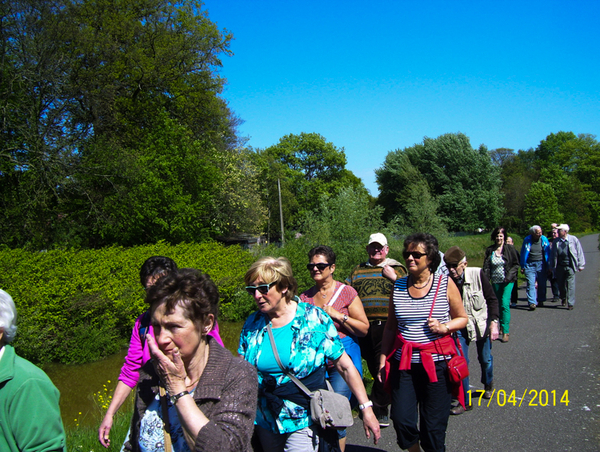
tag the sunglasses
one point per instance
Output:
(415, 254)
(262, 288)
(321, 266)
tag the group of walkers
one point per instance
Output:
(559, 259)
(407, 322)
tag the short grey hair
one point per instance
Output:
(8, 316)
(534, 228)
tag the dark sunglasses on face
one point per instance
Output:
(321, 266)
(262, 288)
(415, 254)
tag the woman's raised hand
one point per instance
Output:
(170, 371)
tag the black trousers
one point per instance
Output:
(370, 349)
(414, 397)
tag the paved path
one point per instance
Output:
(550, 349)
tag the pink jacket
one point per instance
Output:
(137, 355)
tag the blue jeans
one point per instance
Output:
(337, 382)
(484, 356)
(535, 271)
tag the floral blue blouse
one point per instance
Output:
(315, 341)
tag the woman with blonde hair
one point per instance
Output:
(305, 339)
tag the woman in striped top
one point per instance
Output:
(424, 310)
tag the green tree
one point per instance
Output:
(549, 151)
(578, 157)
(87, 89)
(461, 180)
(165, 188)
(239, 204)
(570, 195)
(308, 167)
(517, 173)
(37, 140)
(421, 214)
(541, 206)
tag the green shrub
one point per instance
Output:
(78, 306)
(239, 308)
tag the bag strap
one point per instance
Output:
(165, 416)
(301, 385)
(435, 295)
(336, 295)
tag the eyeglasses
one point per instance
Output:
(320, 266)
(415, 254)
(262, 288)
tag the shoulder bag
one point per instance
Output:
(327, 409)
(458, 369)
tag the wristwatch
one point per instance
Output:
(345, 318)
(367, 404)
(176, 397)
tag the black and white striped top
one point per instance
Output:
(412, 313)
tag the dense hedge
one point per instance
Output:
(78, 306)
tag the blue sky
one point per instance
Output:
(372, 77)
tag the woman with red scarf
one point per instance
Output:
(424, 310)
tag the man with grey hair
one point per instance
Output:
(535, 256)
(567, 260)
(28, 399)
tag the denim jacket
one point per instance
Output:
(527, 247)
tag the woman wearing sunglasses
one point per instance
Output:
(306, 339)
(424, 310)
(346, 310)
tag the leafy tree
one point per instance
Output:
(541, 206)
(343, 221)
(578, 156)
(165, 188)
(517, 173)
(462, 180)
(239, 203)
(37, 140)
(549, 152)
(87, 88)
(421, 214)
(570, 196)
(501, 155)
(307, 167)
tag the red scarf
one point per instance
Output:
(443, 346)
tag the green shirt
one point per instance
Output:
(29, 414)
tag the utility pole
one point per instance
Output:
(280, 212)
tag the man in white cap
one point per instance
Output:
(567, 260)
(373, 280)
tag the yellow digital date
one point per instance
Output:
(542, 397)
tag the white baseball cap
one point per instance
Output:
(378, 238)
(564, 227)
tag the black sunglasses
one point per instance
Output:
(415, 254)
(262, 288)
(321, 266)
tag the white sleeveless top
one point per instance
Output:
(412, 313)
